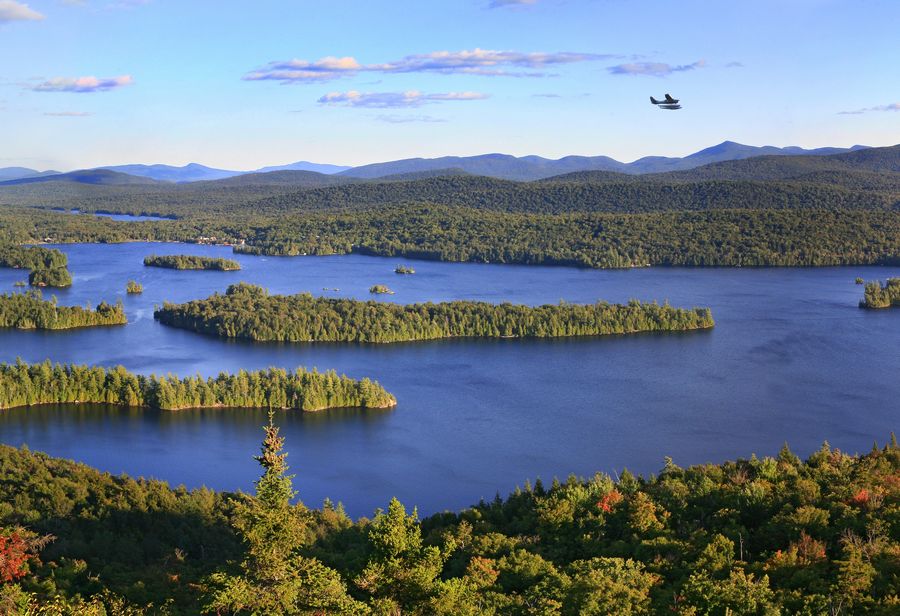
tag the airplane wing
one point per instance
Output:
(670, 100)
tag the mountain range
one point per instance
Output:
(502, 166)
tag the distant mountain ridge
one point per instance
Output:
(501, 166)
(527, 168)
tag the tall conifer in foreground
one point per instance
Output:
(274, 578)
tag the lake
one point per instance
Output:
(792, 358)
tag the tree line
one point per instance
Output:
(878, 295)
(248, 311)
(751, 537)
(31, 311)
(23, 384)
(192, 262)
(729, 237)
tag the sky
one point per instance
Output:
(241, 85)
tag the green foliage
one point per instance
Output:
(22, 384)
(756, 537)
(30, 311)
(193, 262)
(134, 287)
(404, 269)
(248, 311)
(879, 295)
(380, 289)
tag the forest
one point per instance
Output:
(249, 311)
(48, 266)
(756, 536)
(23, 384)
(191, 262)
(878, 295)
(31, 311)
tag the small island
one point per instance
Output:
(23, 384)
(248, 311)
(403, 269)
(380, 289)
(31, 311)
(879, 295)
(48, 266)
(192, 262)
(133, 287)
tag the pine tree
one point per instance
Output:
(275, 578)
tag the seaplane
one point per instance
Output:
(667, 103)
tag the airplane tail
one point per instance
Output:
(654, 101)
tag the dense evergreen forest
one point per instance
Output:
(879, 295)
(758, 536)
(248, 311)
(192, 262)
(48, 266)
(31, 311)
(24, 384)
(701, 238)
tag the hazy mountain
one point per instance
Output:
(536, 167)
(298, 178)
(16, 173)
(84, 176)
(192, 172)
(306, 166)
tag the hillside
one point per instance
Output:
(84, 176)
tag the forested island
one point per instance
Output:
(753, 537)
(248, 311)
(31, 311)
(879, 295)
(404, 269)
(380, 289)
(49, 267)
(134, 288)
(191, 262)
(24, 384)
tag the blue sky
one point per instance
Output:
(245, 84)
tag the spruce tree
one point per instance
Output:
(274, 577)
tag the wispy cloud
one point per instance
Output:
(83, 84)
(391, 100)
(406, 119)
(16, 11)
(735, 65)
(473, 62)
(891, 107)
(68, 114)
(499, 4)
(653, 69)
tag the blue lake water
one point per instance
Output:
(792, 358)
(114, 216)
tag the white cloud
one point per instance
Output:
(83, 84)
(890, 107)
(498, 4)
(406, 119)
(485, 62)
(16, 11)
(391, 100)
(653, 69)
